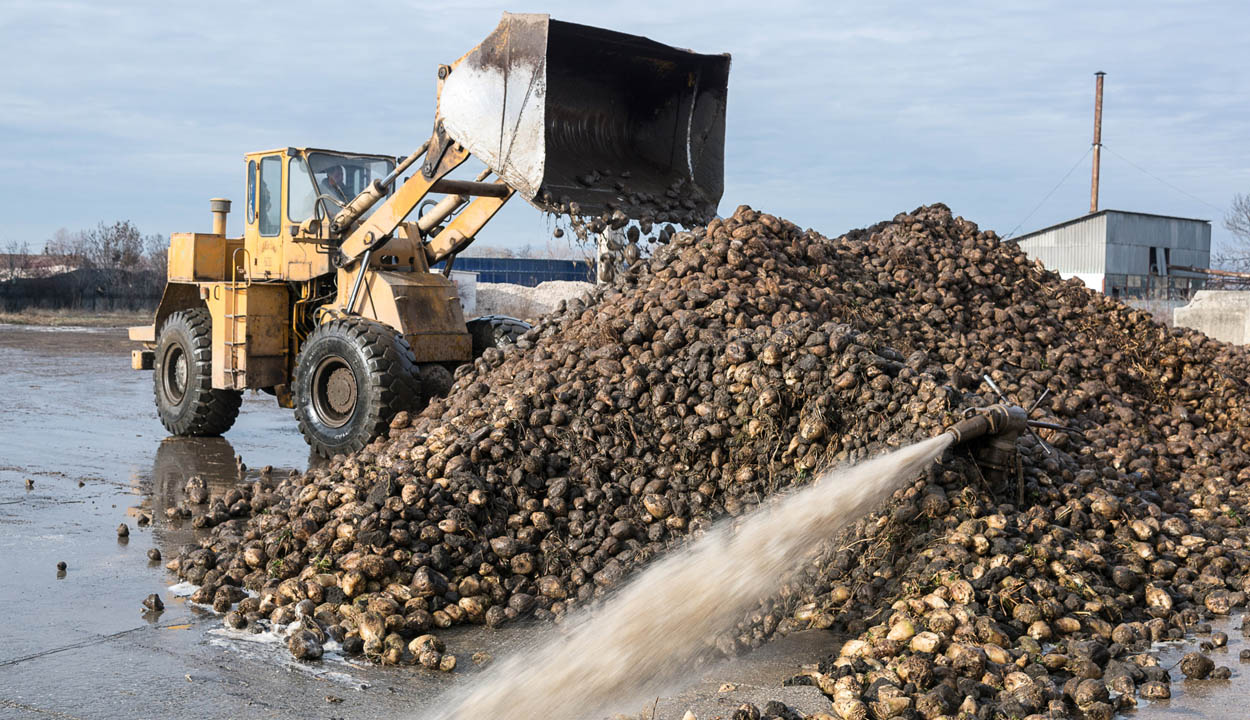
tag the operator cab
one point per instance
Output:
(292, 194)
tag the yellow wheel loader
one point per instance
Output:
(328, 300)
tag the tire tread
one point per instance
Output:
(391, 385)
(214, 410)
(495, 331)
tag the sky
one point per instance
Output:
(840, 114)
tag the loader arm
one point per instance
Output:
(460, 232)
(378, 227)
(484, 200)
(372, 234)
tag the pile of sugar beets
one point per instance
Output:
(737, 360)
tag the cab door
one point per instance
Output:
(302, 260)
(266, 196)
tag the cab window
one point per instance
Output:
(340, 178)
(301, 199)
(270, 195)
(251, 191)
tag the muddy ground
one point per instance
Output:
(80, 424)
(75, 318)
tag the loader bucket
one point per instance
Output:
(568, 113)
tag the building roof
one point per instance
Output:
(1083, 218)
(38, 260)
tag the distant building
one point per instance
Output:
(29, 265)
(1126, 254)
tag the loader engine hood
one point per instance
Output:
(568, 113)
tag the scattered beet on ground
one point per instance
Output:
(731, 364)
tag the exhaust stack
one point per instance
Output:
(220, 208)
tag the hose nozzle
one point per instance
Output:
(998, 419)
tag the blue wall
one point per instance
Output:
(524, 271)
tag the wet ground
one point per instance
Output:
(79, 424)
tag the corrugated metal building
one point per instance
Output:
(1125, 254)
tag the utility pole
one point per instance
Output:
(1093, 188)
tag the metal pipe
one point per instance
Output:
(220, 208)
(372, 194)
(465, 187)
(1211, 271)
(996, 456)
(360, 274)
(993, 420)
(1093, 189)
(406, 163)
(439, 212)
(449, 204)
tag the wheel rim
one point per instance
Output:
(174, 377)
(334, 391)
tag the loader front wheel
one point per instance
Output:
(351, 377)
(182, 371)
(495, 331)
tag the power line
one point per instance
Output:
(1165, 182)
(1052, 191)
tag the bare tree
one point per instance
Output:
(554, 249)
(156, 261)
(110, 266)
(564, 248)
(491, 251)
(114, 247)
(1237, 222)
(69, 246)
(17, 260)
(156, 253)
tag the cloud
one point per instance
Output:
(839, 114)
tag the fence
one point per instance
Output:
(524, 271)
(84, 289)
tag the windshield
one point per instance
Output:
(339, 178)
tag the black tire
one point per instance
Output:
(436, 380)
(351, 377)
(182, 374)
(495, 331)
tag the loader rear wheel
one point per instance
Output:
(351, 377)
(182, 372)
(495, 331)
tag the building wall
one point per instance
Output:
(1077, 248)
(1140, 247)
(1130, 237)
(1113, 252)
